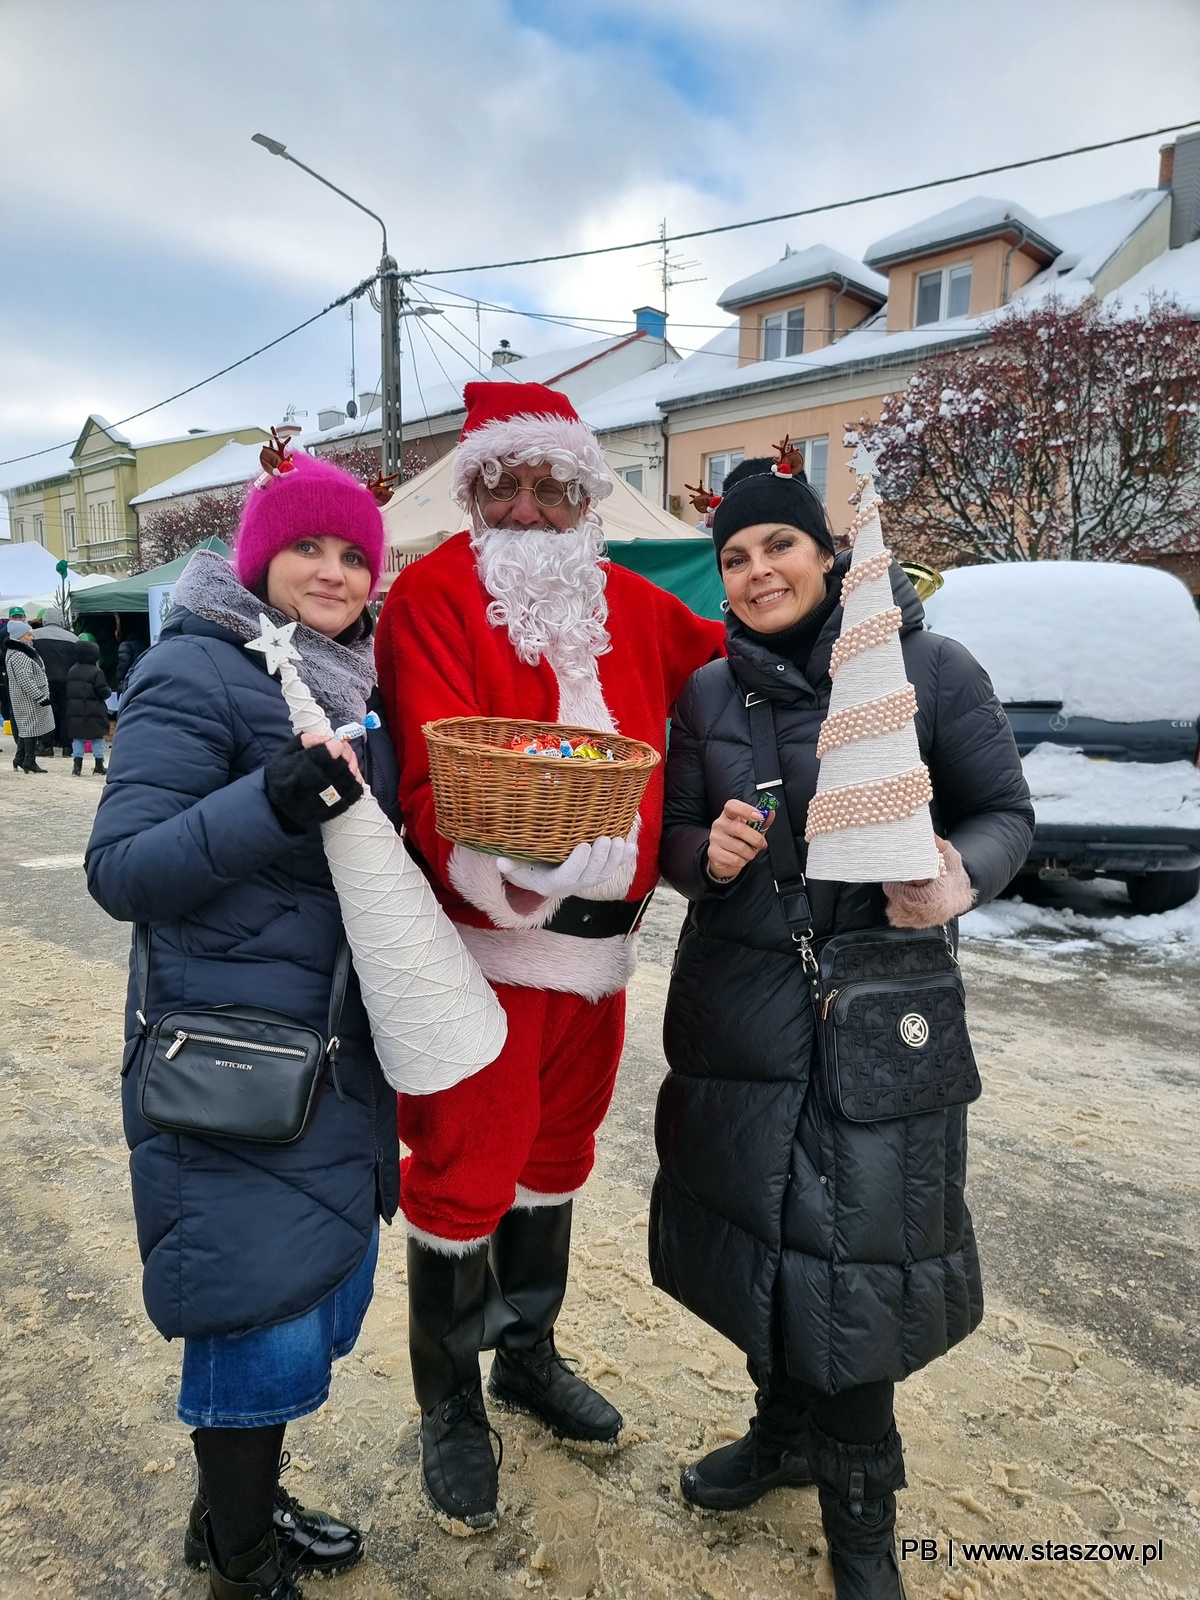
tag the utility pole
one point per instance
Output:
(391, 296)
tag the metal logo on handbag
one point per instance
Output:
(880, 1057)
(233, 1072)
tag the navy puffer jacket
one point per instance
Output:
(235, 1236)
(850, 1245)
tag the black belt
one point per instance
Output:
(598, 919)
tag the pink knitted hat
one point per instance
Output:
(306, 497)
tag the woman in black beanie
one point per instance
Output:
(839, 1256)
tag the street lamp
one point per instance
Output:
(389, 318)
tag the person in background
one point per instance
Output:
(87, 707)
(15, 614)
(30, 693)
(56, 646)
(260, 1257)
(129, 648)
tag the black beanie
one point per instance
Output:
(759, 495)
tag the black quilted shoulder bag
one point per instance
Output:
(889, 1008)
(233, 1072)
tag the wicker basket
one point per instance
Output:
(534, 808)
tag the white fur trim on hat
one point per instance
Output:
(569, 447)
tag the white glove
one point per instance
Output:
(584, 868)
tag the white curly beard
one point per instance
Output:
(548, 590)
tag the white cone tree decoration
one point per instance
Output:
(869, 819)
(434, 1017)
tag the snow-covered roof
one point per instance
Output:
(630, 403)
(977, 218)
(233, 463)
(1175, 275)
(805, 269)
(1120, 643)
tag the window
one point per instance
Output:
(70, 529)
(19, 531)
(39, 529)
(783, 334)
(816, 465)
(717, 467)
(943, 294)
(633, 477)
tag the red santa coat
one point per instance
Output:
(439, 656)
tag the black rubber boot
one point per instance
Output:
(530, 1253)
(312, 1541)
(99, 769)
(459, 1472)
(856, 1486)
(77, 766)
(261, 1574)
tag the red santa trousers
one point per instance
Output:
(528, 1119)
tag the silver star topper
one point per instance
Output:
(274, 644)
(864, 463)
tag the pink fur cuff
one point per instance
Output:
(932, 901)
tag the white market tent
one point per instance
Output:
(421, 514)
(33, 603)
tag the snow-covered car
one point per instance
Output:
(1097, 666)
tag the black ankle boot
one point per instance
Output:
(858, 1512)
(312, 1541)
(99, 769)
(738, 1474)
(260, 1574)
(459, 1472)
(529, 1254)
(77, 766)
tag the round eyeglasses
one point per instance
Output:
(546, 491)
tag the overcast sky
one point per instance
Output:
(145, 242)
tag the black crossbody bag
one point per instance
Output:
(233, 1072)
(888, 1003)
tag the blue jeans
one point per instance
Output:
(277, 1373)
(99, 748)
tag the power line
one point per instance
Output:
(351, 294)
(808, 211)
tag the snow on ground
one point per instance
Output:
(1066, 930)
(1068, 787)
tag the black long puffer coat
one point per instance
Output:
(850, 1244)
(87, 695)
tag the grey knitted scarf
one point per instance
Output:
(340, 676)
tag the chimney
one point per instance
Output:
(1185, 191)
(330, 417)
(504, 356)
(1166, 165)
(651, 322)
(368, 401)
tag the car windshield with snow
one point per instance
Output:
(1097, 666)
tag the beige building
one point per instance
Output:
(820, 339)
(85, 513)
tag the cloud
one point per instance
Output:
(150, 241)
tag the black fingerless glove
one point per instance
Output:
(301, 785)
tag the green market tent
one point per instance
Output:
(133, 594)
(685, 566)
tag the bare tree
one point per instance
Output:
(177, 529)
(1074, 435)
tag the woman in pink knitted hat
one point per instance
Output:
(259, 1256)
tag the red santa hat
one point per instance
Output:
(519, 424)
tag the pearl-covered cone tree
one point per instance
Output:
(434, 1017)
(869, 820)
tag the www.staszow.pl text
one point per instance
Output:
(1044, 1550)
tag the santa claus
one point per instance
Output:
(522, 617)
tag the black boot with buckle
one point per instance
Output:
(856, 1485)
(772, 1455)
(459, 1471)
(530, 1253)
(313, 1541)
(261, 1574)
